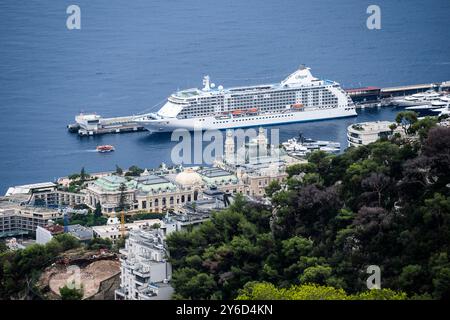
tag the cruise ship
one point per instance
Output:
(298, 98)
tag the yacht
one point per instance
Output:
(302, 146)
(442, 102)
(418, 99)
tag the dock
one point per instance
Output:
(93, 124)
(382, 97)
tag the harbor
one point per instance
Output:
(301, 146)
(250, 151)
(91, 124)
(385, 97)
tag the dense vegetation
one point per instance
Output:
(20, 269)
(385, 204)
(144, 216)
(77, 181)
(267, 291)
(71, 293)
(87, 220)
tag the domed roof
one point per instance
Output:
(188, 177)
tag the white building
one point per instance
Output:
(45, 194)
(18, 219)
(46, 233)
(367, 132)
(114, 231)
(145, 271)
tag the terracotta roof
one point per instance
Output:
(54, 228)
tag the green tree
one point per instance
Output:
(67, 241)
(119, 170)
(120, 244)
(406, 119)
(98, 210)
(273, 187)
(194, 285)
(83, 176)
(267, 291)
(423, 126)
(134, 171)
(123, 205)
(316, 274)
(71, 293)
(21, 268)
(3, 247)
(100, 243)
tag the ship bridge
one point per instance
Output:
(301, 77)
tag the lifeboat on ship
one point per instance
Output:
(252, 110)
(297, 106)
(237, 112)
(105, 148)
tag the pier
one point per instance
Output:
(93, 124)
(382, 97)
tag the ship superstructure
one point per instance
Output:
(299, 97)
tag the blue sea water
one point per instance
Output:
(130, 55)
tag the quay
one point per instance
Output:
(94, 124)
(382, 97)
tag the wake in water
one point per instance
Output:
(74, 152)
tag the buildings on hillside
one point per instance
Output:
(145, 270)
(114, 231)
(45, 194)
(46, 233)
(367, 132)
(248, 170)
(18, 218)
(159, 190)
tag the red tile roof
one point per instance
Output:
(54, 228)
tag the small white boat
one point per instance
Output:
(421, 107)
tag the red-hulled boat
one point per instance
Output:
(105, 148)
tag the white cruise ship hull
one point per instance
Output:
(209, 123)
